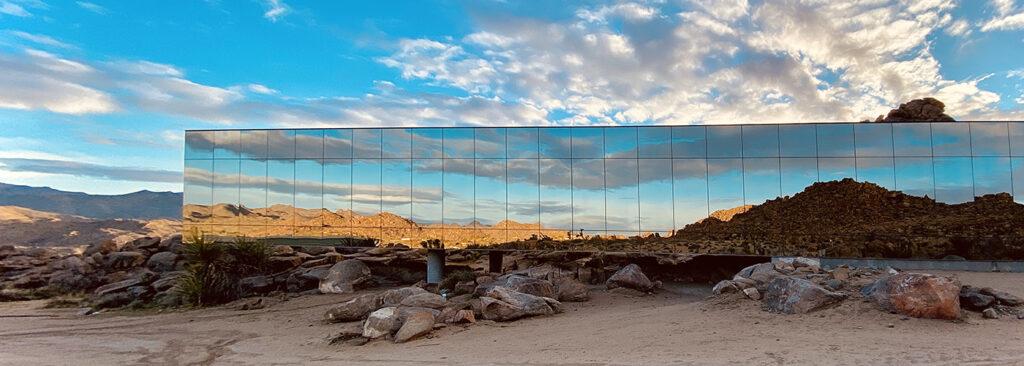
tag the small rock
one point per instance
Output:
(724, 287)
(124, 260)
(414, 326)
(380, 322)
(1002, 297)
(116, 286)
(570, 290)
(162, 261)
(752, 293)
(834, 284)
(990, 313)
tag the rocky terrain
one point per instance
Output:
(27, 227)
(918, 110)
(852, 219)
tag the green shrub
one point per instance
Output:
(453, 278)
(249, 257)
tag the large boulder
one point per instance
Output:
(526, 285)
(394, 297)
(117, 286)
(971, 298)
(415, 325)
(794, 295)
(380, 322)
(304, 279)
(345, 277)
(761, 274)
(503, 304)
(918, 110)
(256, 285)
(630, 277)
(570, 290)
(357, 308)
(124, 260)
(162, 261)
(917, 295)
(424, 300)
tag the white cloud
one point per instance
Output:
(1010, 22)
(40, 80)
(959, 28)
(9, 8)
(275, 9)
(93, 7)
(261, 89)
(40, 39)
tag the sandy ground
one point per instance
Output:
(677, 326)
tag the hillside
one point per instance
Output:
(28, 227)
(852, 219)
(141, 205)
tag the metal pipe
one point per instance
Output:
(435, 266)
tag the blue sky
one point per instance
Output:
(94, 95)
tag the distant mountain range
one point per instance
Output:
(141, 205)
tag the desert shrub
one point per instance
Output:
(453, 278)
(214, 268)
(432, 244)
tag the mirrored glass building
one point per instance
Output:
(484, 185)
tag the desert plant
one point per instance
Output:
(453, 278)
(206, 280)
(248, 257)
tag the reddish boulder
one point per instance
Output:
(917, 295)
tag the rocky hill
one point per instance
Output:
(853, 219)
(28, 227)
(141, 205)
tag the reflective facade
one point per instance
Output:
(493, 185)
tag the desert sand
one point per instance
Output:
(678, 326)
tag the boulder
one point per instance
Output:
(545, 271)
(72, 281)
(793, 295)
(570, 290)
(148, 243)
(424, 300)
(162, 261)
(450, 315)
(124, 260)
(394, 297)
(916, 295)
(103, 247)
(528, 285)
(305, 279)
(971, 298)
(761, 274)
(141, 293)
(503, 304)
(347, 333)
(357, 308)
(724, 287)
(1002, 297)
(113, 300)
(380, 322)
(918, 110)
(990, 313)
(117, 286)
(280, 263)
(345, 277)
(415, 325)
(630, 277)
(167, 281)
(282, 250)
(256, 285)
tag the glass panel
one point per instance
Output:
(798, 140)
(397, 143)
(914, 176)
(555, 196)
(835, 140)
(426, 143)
(198, 145)
(491, 236)
(835, 169)
(338, 197)
(280, 192)
(523, 142)
(761, 180)
(253, 144)
(366, 195)
(491, 196)
(951, 139)
(253, 191)
(725, 184)
(309, 196)
(689, 142)
(655, 142)
(990, 139)
(912, 139)
(523, 190)
(396, 190)
(587, 142)
(281, 144)
(724, 141)
(458, 191)
(798, 174)
(338, 144)
(1018, 179)
(620, 142)
(458, 143)
(225, 192)
(761, 141)
(1017, 138)
(655, 196)
(588, 196)
(198, 191)
(623, 196)
(554, 143)
(953, 183)
(426, 191)
(490, 143)
(690, 191)
(366, 143)
(992, 175)
(874, 139)
(309, 144)
(227, 144)
(879, 171)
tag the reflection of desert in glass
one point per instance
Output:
(607, 187)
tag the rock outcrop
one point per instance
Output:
(918, 110)
(917, 295)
